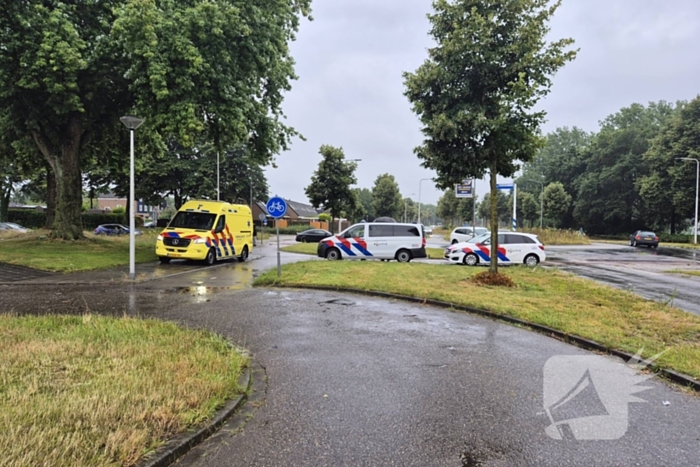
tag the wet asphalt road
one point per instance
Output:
(642, 271)
(360, 381)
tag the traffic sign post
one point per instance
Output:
(277, 208)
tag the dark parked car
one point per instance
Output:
(313, 235)
(114, 229)
(644, 237)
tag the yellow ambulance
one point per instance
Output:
(207, 231)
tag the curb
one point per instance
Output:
(581, 342)
(181, 444)
(115, 280)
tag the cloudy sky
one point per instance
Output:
(350, 90)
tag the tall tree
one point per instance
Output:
(475, 93)
(387, 197)
(528, 209)
(69, 70)
(365, 204)
(330, 183)
(562, 159)
(556, 202)
(607, 198)
(668, 190)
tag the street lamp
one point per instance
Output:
(132, 123)
(697, 185)
(419, 186)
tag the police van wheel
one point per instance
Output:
(403, 256)
(211, 257)
(164, 259)
(244, 254)
(333, 254)
(471, 259)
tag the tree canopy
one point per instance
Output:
(387, 197)
(475, 93)
(212, 69)
(330, 183)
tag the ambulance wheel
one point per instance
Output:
(244, 254)
(403, 256)
(164, 259)
(471, 259)
(211, 257)
(333, 254)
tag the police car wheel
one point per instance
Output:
(532, 260)
(333, 254)
(211, 257)
(164, 259)
(471, 259)
(244, 254)
(403, 256)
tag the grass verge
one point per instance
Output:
(612, 317)
(560, 237)
(36, 250)
(683, 271)
(90, 390)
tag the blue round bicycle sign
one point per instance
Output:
(276, 207)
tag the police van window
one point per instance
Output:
(406, 231)
(357, 231)
(221, 225)
(381, 230)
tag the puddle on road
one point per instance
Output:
(202, 293)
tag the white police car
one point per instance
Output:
(513, 248)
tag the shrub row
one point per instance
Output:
(37, 219)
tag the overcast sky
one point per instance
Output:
(350, 90)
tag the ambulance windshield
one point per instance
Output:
(192, 220)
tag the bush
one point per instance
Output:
(27, 218)
(37, 219)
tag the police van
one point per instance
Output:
(376, 240)
(207, 231)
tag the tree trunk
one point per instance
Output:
(50, 197)
(494, 214)
(673, 222)
(5, 196)
(65, 162)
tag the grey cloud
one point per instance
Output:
(350, 91)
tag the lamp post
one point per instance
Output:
(419, 192)
(697, 185)
(132, 123)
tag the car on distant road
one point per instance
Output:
(13, 227)
(114, 229)
(312, 235)
(644, 238)
(513, 248)
(462, 234)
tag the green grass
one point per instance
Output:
(683, 271)
(301, 248)
(97, 391)
(615, 318)
(36, 250)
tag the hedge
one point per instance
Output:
(37, 219)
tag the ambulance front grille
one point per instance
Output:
(177, 242)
